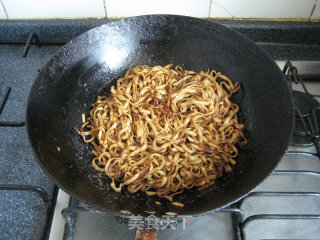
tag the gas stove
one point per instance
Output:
(285, 206)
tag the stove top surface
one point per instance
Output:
(293, 189)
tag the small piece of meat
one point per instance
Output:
(218, 167)
(142, 175)
(243, 142)
(165, 109)
(75, 127)
(236, 87)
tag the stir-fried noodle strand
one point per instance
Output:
(164, 130)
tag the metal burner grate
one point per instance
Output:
(44, 202)
(307, 110)
(2, 105)
(47, 200)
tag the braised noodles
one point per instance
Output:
(164, 130)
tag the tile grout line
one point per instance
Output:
(312, 10)
(219, 5)
(209, 8)
(105, 8)
(4, 9)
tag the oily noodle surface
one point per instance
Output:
(164, 130)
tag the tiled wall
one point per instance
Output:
(271, 9)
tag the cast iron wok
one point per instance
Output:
(89, 64)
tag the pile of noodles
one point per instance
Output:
(164, 130)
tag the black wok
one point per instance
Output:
(89, 64)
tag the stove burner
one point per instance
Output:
(304, 105)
